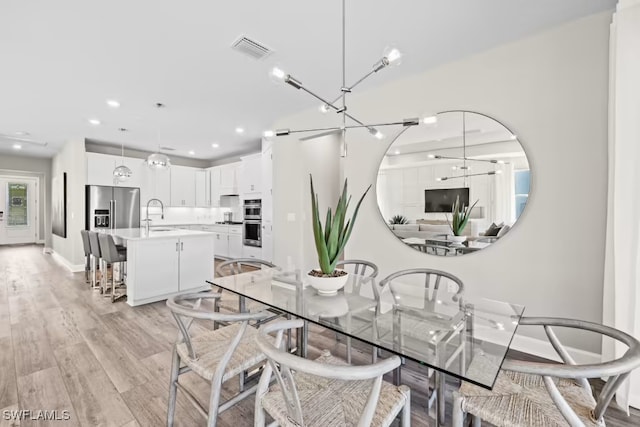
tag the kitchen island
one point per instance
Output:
(165, 262)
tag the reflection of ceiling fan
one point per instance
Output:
(21, 140)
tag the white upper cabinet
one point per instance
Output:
(155, 183)
(100, 168)
(183, 186)
(203, 198)
(251, 176)
(214, 186)
(229, 178)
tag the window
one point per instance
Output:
(522, 187)
(17, 205)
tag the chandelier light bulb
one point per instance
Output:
(430, 120)
(431, 156)
(278, 73)
(324, 108)
(498, 172)
(268, 133)
(393, 55)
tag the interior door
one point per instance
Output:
(18, 210)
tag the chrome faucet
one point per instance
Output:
(147, 220)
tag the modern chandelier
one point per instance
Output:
(391, 57)
(122, 173)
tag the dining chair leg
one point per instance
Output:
(241, 382)
(214, 402)
(440, 383)
(173, 387)
(397, 377)
(349, 350)
(477, 421)
(406, 411)
(457, 415)
(374, 354)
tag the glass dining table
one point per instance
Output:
(465, 338)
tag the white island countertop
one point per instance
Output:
(158, 233)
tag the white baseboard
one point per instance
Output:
(74, 268)
(40, 242)
(47, 250)
(542, 348)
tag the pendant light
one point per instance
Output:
(159, 160)
(122, 173)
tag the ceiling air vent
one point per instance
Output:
(251, 48)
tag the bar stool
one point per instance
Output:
(112, 255)
(86, 245)
(96, 257)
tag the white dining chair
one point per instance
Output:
(325, 392)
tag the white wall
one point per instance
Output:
(551, 90)
(39, 168)
(71, 159)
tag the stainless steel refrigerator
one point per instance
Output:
(112, 207)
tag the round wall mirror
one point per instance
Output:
(453, 185)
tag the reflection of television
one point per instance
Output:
(442, 199)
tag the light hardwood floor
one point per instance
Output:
(65, 347)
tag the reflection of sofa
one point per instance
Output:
(421, 231)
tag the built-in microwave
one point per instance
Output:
(252, 209)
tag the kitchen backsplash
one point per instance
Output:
(180, 215)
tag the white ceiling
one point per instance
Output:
(62, 59)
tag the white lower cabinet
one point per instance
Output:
(235, 245)
(193, 272)
(221, 244)
(251, 252)
(158, 268)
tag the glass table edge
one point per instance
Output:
(323, 325)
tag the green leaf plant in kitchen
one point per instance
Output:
(398, 219)
(459, 218)
(331, 240)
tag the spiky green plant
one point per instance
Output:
(332, 238)
(398, 219)
(459, 217)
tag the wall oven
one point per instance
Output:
(252, 224)
(252, 233)
(252, 209)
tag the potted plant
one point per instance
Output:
(398, 219)
(459, 218)
(330, 241)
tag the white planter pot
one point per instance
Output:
(457, 239)
(327, 285)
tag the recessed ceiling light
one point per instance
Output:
(215, 145)
(239, 130)
(94, 122)
(191, 152)
(17, 146)
(22, 133)
(113, 103)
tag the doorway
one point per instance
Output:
(18, 210)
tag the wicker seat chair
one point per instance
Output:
(548, 394)
(217, 355)
(363, 284)
(232, 302)
(325, 392)
(429, 289)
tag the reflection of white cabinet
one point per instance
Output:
(221, 244)
(183, 182)
(251, 175)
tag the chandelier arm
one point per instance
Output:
(289, 131)
(446, 178)
(469, 159)
(350, 88)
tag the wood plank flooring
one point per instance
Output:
(65, 347)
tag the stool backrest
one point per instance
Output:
(86, 245)
(108, 248)
(94, 244)
(241, 265)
